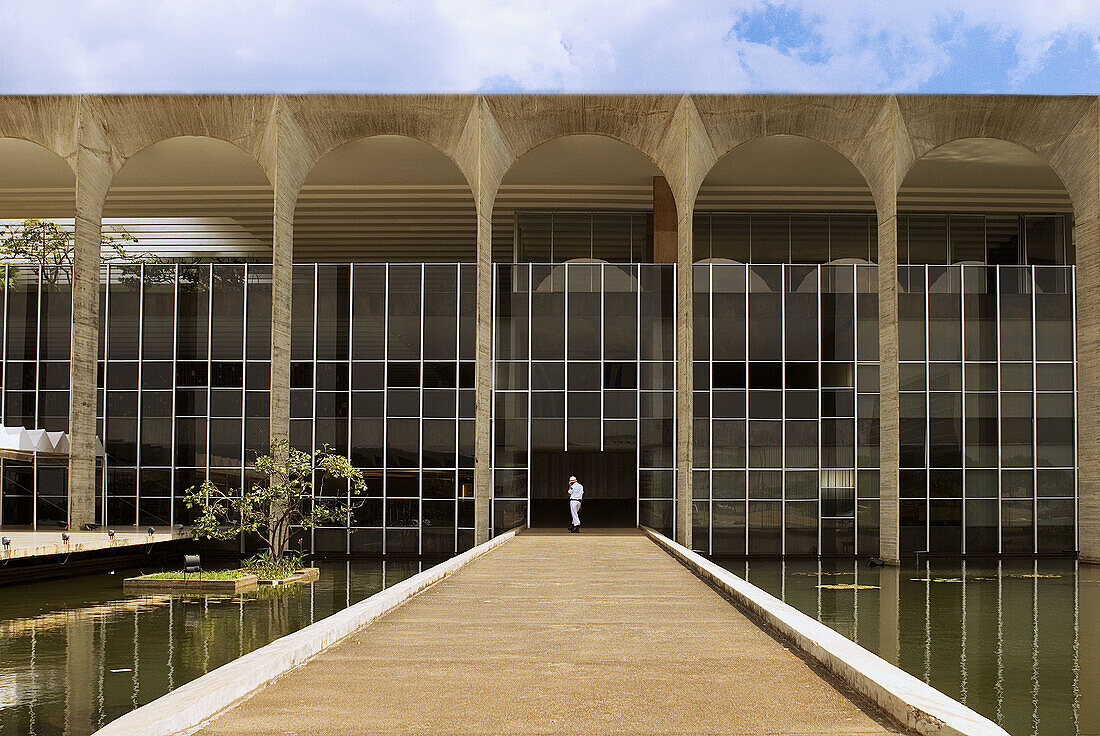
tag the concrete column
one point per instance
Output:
(665, 243)
(1087, 237)
(685, 356)
(889, 400)
(282, 277)
(483, 397)
(93, 178)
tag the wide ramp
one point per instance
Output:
(558, 634)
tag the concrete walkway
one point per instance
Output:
(42, 542)
(557, 634)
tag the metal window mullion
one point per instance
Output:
(209, 357)
(244, 373)
(106, 382)
(928, 405)
(530, 403)
(784, 273)
(458, 392)
(1000, 455)
(603, 357)
(638, 396)
(313, 391)
(820, 448)
(565, 332)
(4, 369)
(1034, 418)
(385, 402)
(1072, 289)
(347, 427)
(745, 413)
(37, 372)
(175, 341)
(962, 402)
(140, 388)
(710, 395)
(420, 432)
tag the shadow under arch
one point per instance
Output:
(385, 197)
(571, 176)
(1002, 186)
(757, 186)
(193, 196)
(35, 181)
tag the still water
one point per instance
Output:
(1017, 641)
(78, 653)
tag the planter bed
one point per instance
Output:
(305, 575)
(190, 584)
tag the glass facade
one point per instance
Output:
(382, 368)
(786, 384)
(585, 377)
(786, 409)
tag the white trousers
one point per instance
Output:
(575, 511)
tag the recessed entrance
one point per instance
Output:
(610, 488)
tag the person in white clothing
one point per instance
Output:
(576, 493)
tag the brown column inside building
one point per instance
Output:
(664, 222)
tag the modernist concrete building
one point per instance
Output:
(800, 325)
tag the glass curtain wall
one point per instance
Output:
(584, 362)
(988, 384)
(383, 370)
(34, 387)
(786, 409)
(184, 378)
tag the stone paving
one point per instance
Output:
(556, 634)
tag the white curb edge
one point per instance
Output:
(905, 698)
(189, 707)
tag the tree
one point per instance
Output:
(269, 510)
(52, 247)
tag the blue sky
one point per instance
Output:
(129, 46)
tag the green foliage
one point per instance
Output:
(269, 510)
(202, 575)
(52, 247)
(268, 566)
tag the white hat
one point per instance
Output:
(572, 478)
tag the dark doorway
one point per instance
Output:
(610, 488)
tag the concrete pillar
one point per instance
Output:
(1087, 237)
(685, 356)
(665, 243)
(282, 278)
(483, 378)
(93, 178)
(889, 400)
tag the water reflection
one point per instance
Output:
(1016, 641)
(78, 653)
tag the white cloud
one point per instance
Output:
(567, 45)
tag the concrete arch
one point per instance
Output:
(862, 133)
(145, 150)
(132, 124)
(523, 123)
(321, 124)
(1059, 130)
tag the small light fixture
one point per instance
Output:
(7, 542)
(152, 531)
(179, 529)
(65, 537)
(111, 534)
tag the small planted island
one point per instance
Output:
(267, 510)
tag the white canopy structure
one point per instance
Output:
(19, 443)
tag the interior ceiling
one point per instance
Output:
(386, 195)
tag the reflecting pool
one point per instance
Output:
(1017, 641)
(78, 653)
